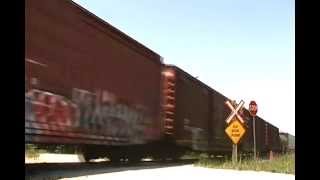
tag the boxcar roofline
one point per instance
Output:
(202, 84)
(138, 46)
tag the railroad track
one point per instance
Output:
(50, 171)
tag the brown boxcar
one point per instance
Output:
(186, 108)
(267, 136)
(87, 82)
(273, 138)
(195, 114)
(220, 142)
(246, 142)
(260, 135)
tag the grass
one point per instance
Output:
(194, 155)
(31, 151)
(280, 164)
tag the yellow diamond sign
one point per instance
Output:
(235, 130)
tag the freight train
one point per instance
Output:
(287, 142)
(90, 85)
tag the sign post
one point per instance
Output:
(254, 139)
(235, 129)
(234, 153)
(253, 109)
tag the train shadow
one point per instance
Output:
(52, 171)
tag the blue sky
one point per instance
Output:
(243, 49)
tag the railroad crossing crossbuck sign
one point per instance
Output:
(234, 111)
(235, 130)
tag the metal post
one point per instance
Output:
(234, 153)
(254, 139)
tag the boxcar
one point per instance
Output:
(274, 138)
(287, 143)
(87, 82)
(195, 114)
(90, 85)
(186, 109)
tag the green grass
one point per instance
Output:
(194, 155)
(31, 151)
(280, 164)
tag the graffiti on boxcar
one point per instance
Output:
(48, 108)
(104, 113)
(100, 113)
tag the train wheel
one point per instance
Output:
(87, 156)
(134, 159)
(115, 158)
